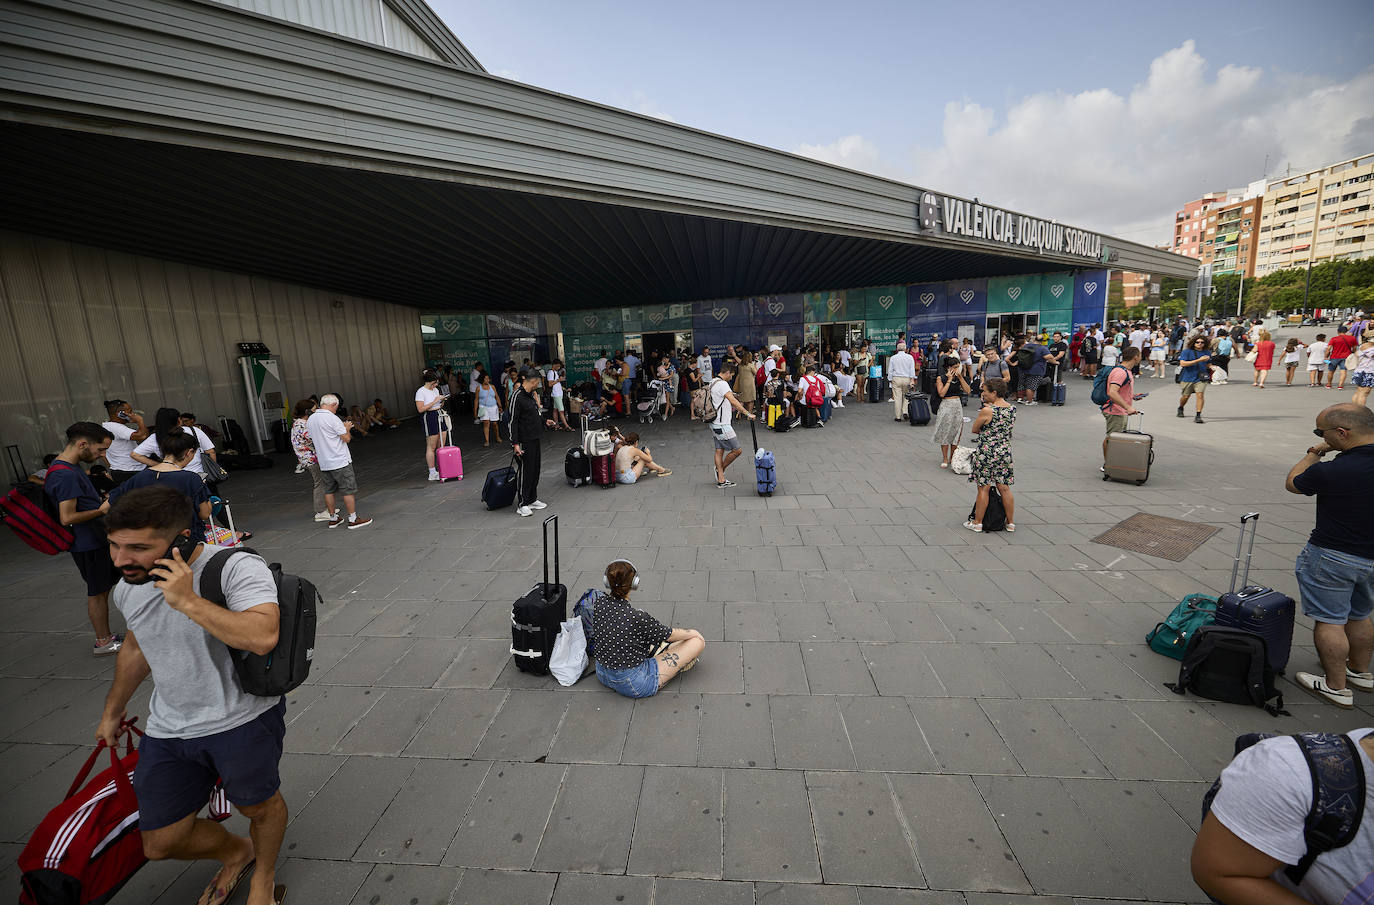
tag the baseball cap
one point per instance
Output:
(775, 348)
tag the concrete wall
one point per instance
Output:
(79, 325)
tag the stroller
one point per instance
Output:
(652, 400)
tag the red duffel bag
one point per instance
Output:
(89, 845)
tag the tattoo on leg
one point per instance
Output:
(669, 658)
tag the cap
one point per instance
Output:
(775, 348)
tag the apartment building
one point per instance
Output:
(1230, 239)
(1190, 224)
(1317, 216)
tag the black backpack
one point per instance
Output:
(995, 516)
(288, 664)
(1338, 793)
(1025, 358)
(1231, 665)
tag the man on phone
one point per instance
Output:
(129, 430)
(331, 437)
(79, 507)
(202, 726)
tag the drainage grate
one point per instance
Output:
(1155, 535)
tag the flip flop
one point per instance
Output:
(208, 896)
(279, 894)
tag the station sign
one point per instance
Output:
(956, 217)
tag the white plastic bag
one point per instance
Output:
(569, 657)
(962, 460)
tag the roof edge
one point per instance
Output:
(419, 16)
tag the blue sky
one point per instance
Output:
(1108, 114)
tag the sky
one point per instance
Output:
(1106, 115)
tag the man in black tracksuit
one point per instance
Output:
(526, 429)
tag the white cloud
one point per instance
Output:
(642, 103)
(1125, 164)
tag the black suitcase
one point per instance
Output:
(1260, 611)
(498, 491)
(233, 436)
(537, 618)
(918, 409)
(928, 376)
(808, 415)
(875, 390)
(281, 436)
(577, 465)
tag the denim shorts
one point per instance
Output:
(626, 477)
(1336, 364)
(1336, 587)
(633, 682)
(175, 776)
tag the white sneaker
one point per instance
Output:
(434, 474)
(323, 516)
(1316, 686)
(1360, 681)
(524, 511)
(539, 504)
(300, 469)
(111, 645)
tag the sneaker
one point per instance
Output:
(300, 469)
(539, 504)
(323, 516)
(524, 511)
(359, 523)
(973, 526)
(1180, 412)
(434, 474)
(1316, 686)
(1197, 419)
(1030, 402)
(111, 646)
(1361, 681)
(336, 520)
(726, 483)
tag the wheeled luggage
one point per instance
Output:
(1043, 393)
(1260, 611)
(537, 617)
(783, 424)
(765, 466)
(603, 470)
(774, 413)
(577, 465)
(1058, 391)
(875, 389)
(498, 491)
(928, 381)
(918, 408)
(1129, 454)
(449, 461)
(809, 418)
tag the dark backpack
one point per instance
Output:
(995, 516)
(1099, 394)
(1025, 358)
(288, 664)
(1231, 665)
(585, 609)
(1338, 793)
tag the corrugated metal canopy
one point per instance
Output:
(429, 243)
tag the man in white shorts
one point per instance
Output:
(1316, 360)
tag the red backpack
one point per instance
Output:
(815, 391)
(32, 515)
(89, 845)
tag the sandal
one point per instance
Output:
(664, 473)
(209, 897)
(1011, 526)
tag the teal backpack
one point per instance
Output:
(1099, 393)
(1171, 636)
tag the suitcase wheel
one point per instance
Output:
(1106, 477)
(1139, 483)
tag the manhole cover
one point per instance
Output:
(1155, 535)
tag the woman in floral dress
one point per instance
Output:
(992, 457)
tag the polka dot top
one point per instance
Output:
(624, 635)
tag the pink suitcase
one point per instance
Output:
(450, 463)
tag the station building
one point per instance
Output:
(224, 206)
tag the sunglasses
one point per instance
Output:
(1321, 431)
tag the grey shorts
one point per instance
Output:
(340, 480)
(725, 438)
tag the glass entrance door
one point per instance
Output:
(1010, 325)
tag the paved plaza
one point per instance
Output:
(890, 709)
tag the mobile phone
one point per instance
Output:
(1141, 395)
(186, 544)
(122, 416)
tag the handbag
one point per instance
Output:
(212, 471)
(962, 460)
(1252, 355)
(569, 657)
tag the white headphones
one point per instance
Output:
(606, 579)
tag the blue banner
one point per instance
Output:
(967, 298)
(925, 300)
(719, 313)
(768, 310)
(1090, 297)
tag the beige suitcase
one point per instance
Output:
(1129, 454)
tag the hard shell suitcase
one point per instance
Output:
(449, 461)
(918, 409)
(808, 415)
(1260, 611)
(603, 471)
(577, 465)
(1129, 455)
(498, 491)
(928, 381)
(537, 617)
(765, 466)
(875, 389)
(774, 413)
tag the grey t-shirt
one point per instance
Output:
(195, 689)
(1266, 792)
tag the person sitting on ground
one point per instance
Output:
(378, 415)
(39, 476)
(636, 655)
(355, 414)
(631, 461)
(845, 381)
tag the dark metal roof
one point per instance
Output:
(427, 243)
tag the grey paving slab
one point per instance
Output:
(884, 735)
(1123, 741)
(678, 827)
(877, 895)
(972, 622)
(801, 894)
(593, 889)
(456, 726)
(902, 668)
(914, 622)
(805, 622)
(1102, 674)
(767, 829)
(736, 731)
(420, 821)
(957, 840)
(389, 725)
(961, 736)
(809, 734)
(968, 670)
(859, 833)
(663, 730)
(1040, 739)
(336, 821)
(524, 728)
(501, 887)
(773, 668)
(507, 818)
(1033, 672)
(408, 884)
(592, 820)
(836, 667)
(593, 729)
(721, 671)
(668, 891)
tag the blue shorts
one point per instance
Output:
(634, 682)
(1336, 587)
(1336, 364)
(626, 477)
(175, 776)
(431, 422)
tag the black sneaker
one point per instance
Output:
(726, 483)
(1197, 419)
(1180, 412)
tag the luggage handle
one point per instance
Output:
(754, 433)
(554, 519)
(1250, 554)
(85, 770)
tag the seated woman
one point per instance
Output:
(636, 655)
(631, 461)
(359, 420)
(379, 417)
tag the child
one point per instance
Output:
(1111, 353)
(1290, 358)
(845, 381)
(1316, 361)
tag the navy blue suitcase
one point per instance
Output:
(1260, 611)
(918, 409)
(498, 491)
(1058, 392)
